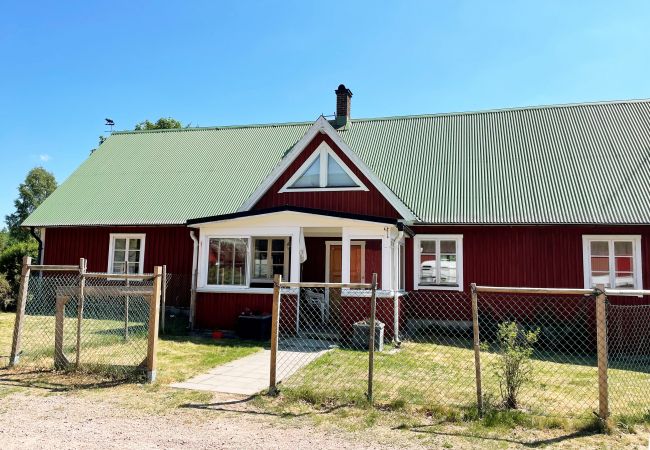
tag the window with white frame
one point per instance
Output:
(323, 170)
(438, 261)
(270, 257)
(227, 261)
(126, 253)
(613, 261)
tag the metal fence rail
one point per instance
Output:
(68, 318)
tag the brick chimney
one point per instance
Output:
(343, 100)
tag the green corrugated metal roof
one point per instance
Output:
(583, 163)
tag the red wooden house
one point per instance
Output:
(551, 196)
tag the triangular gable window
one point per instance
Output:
(323, 170)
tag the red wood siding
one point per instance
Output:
(528, 256)
(220, 310)
(370, 202)
(171, 246)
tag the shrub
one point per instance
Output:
(11, 261)
(514, 366)
(6, 299)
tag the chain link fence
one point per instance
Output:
(534, 352)
(87, 321)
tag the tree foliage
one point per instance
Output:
(6, 298)
(11, 262)
(4, 239)
(38, 185)
(163, 123)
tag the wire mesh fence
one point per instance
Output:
(537, 353)
(86, 321)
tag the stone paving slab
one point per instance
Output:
(250, 374)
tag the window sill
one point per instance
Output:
(439, 288)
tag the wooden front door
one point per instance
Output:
(356, 263)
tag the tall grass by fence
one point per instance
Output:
(68, 318)
(537, 351)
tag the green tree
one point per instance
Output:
(163, 123)
(4, 239)
(11, 262)
(38, 185)
(6, 297)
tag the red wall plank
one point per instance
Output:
(370, 202)
(220, 310)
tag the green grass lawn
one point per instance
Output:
(433, 376)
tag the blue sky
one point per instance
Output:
(65, 66)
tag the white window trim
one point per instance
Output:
(636, 256)
(459, 260)
(322, 150)
(328, 246)
(111, 248)
(287, 253)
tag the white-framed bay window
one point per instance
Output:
(240, 262)
(438, 261)
(612, 260)
(126, 253)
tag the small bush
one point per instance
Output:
(6, 299)
(11, 261)
(514, 367)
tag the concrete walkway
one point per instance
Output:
(250, 375)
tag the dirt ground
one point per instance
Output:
(32, 419)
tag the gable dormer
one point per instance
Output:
(323, 171)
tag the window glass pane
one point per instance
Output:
(447, 246)
(428, 269)
(227, 262)
(119, 267)
(599, 248)
(134, 267)
(119, 256)
(134, 244)
(448, 267)
(622, 248)
(599, 264)
(134, 256)
(311, 177)
(624, 280)
(598, 278)
(261, 244)
(336, 175)
(120, 244)
(278, 245)
(428, 246)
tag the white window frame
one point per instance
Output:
(287, 253)
(111, 248)
(323, 150)
(587, 239)
(417, 240)
(206, 259)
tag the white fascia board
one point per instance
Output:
(323, 126)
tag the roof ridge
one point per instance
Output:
(217, 127)
(514, 108)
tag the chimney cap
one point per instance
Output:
(343, 90)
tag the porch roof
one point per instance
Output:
(288, 208)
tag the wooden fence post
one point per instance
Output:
(477, 350)
(20, 311)
(127, 300)
(163, 298)
(154, 315)
(371, 337)
(601, 339)
(275, 324)
(80, 307)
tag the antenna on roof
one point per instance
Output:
(110, 123)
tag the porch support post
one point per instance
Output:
(345, 255)
(386, 266)
(294, 272)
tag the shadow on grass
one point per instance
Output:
(224, 407)
(531, 444)
(47, 380)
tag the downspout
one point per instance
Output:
(396, 277)
(32, 231)
(195, 255)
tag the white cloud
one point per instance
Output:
(44, 157)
